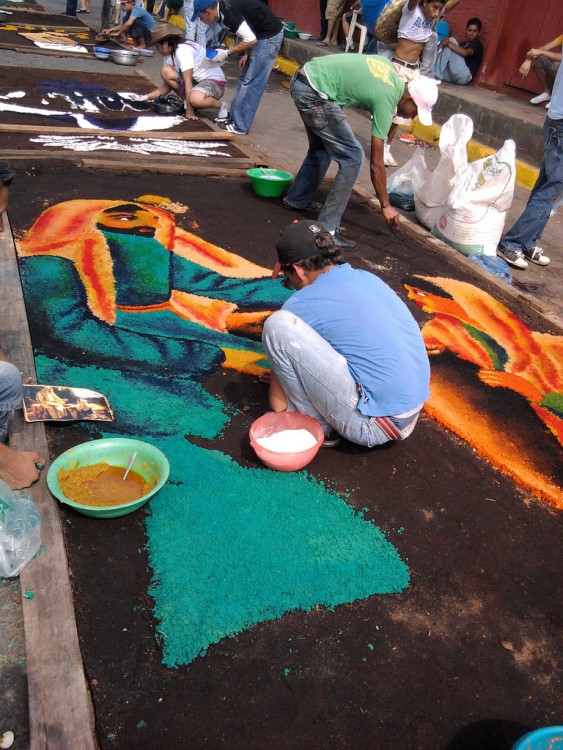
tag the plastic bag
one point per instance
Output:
(431, 196)
(20, 531)
(493, 264)
(474, 215)
(403, 183)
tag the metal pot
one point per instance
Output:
(124, 56)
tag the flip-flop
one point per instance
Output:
(322, 44)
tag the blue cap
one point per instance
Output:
(199, 6)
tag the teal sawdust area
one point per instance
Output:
(243, 607)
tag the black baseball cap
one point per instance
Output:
(301, 240)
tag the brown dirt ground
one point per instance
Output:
(467, 657)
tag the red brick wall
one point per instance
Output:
(486, 10)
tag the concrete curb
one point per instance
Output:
(526, 174)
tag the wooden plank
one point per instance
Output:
(49, 52)
(60, 709)
(136, 163)
(221, 135)
(41, 26)
(234, 170)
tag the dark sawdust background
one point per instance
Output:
(466, 657)
(28, 80)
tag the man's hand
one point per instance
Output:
(391, 215)
(242, 61)
(18, 468)
(220, 57)
(525, 68)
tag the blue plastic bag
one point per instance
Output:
(494, 265)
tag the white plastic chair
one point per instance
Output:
(363, 32)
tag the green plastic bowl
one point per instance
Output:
(150, 463)
(269, 183)
(291, 33)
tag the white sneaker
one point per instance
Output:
(535, 254)
(540, 98)
(514, 258)
(223, 112)
(388, 159)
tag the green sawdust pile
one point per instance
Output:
(233, 547)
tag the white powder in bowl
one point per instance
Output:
(288, 441)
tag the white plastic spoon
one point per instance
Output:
(130, 464)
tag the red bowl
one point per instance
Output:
(273, 422)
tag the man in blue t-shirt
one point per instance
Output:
(138, 23)
(344, 349)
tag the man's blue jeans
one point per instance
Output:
(10, 396)
(330, 139)
(317, 381)
(451, 67)
(545, 195)
(253, 81)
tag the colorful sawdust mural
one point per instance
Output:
(476, 328)
(122, 299)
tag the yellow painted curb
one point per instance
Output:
(526, 175)
(285, 66)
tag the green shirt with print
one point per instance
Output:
(366, 81)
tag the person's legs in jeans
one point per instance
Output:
(330, 139)
(344, 148)
(451, 67)
(316, 379)
(253, 81)
(71, 6)
(428, 57)
(545, 194)
(317, 161)
(10, 396)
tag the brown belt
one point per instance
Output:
(412, 66)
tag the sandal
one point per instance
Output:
(331, 440)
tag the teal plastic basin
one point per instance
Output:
(150, 463)
(546, 738)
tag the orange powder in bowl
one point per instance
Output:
(102, 485)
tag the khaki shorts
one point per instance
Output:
(406, 74)
(334, 9)
(210, 88)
